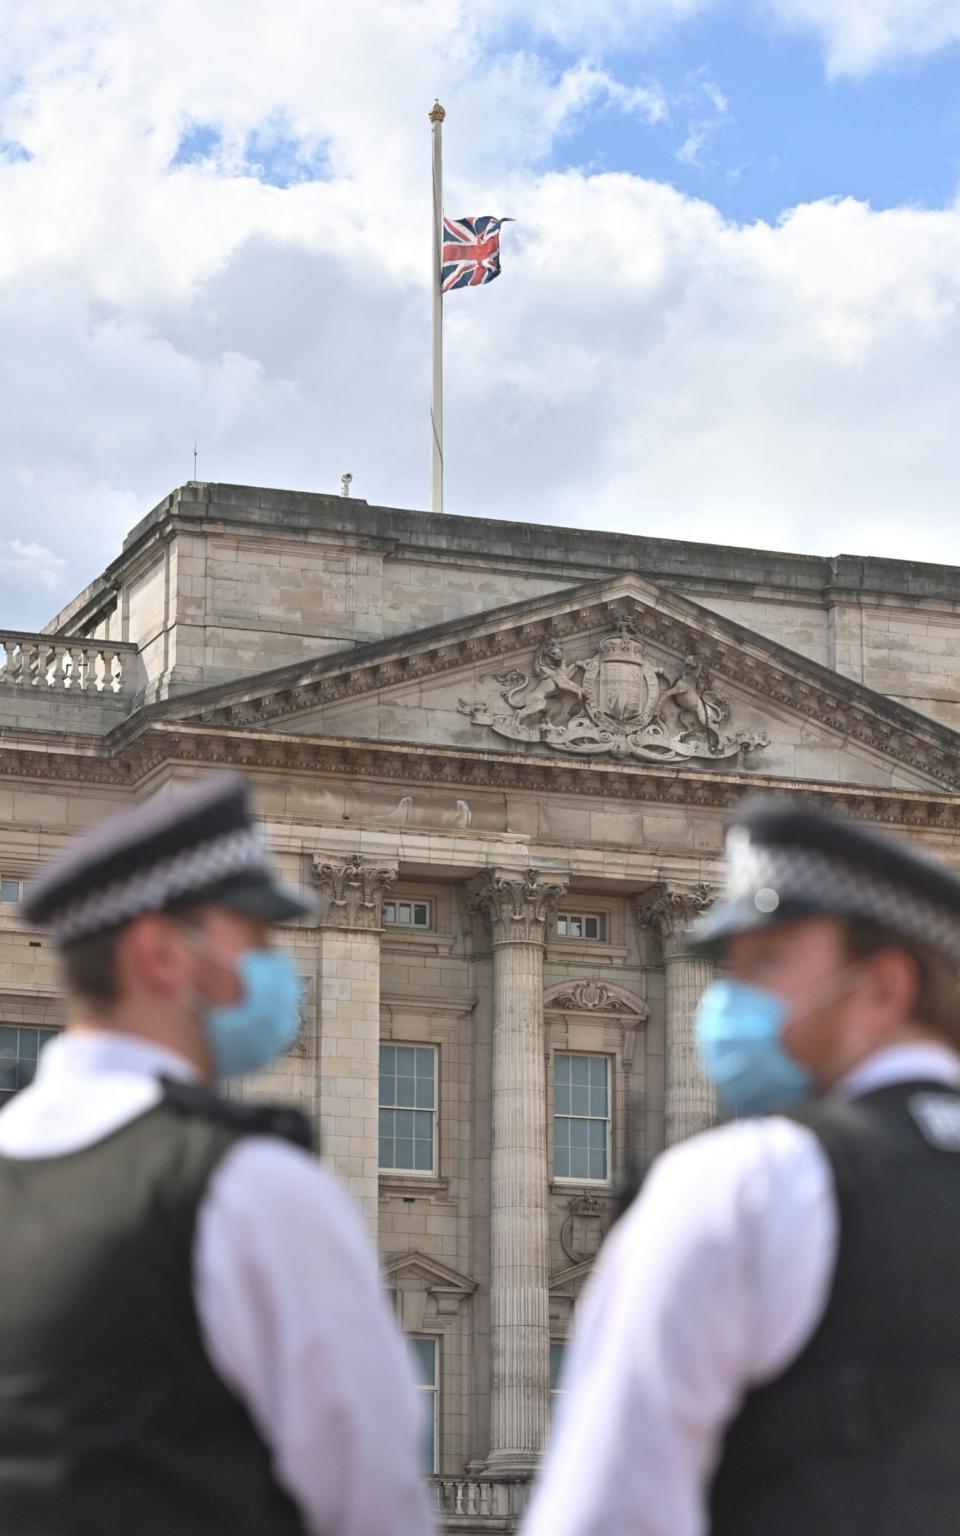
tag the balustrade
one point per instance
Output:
(65, 665)
(479, 1498)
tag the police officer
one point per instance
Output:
(771, 1343)
(192, 1335)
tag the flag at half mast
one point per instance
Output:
(471, 251)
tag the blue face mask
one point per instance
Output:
(264, 1023)
(739, 1030)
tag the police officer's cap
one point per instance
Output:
(787, 861)
(199, 846)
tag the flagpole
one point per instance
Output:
(437, 115)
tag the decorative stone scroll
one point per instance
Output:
(601, 997)
(618, 703)
(584, 1227)
(355, 889)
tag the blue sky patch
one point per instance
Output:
(779, 132)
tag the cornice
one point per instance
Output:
(744, 660)
(166, 745)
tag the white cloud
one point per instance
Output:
(863, 35)
(642, 364)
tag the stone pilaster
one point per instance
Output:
(690, 1103)
(349, 1005)
(516, 907)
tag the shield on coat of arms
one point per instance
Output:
(623, 691)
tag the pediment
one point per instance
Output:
(423, 1272)
(618, 673)
(569, 1281)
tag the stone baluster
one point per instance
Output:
(516, 908)
(690, 1102)
(349, 1004)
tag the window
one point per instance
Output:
(425, 1353)
(11, 890)
(581, 1117)
(581, 925)
(407, 914)
(408, 1108)
(20, 1045)
(557, 1348)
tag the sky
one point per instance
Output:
(730, 301)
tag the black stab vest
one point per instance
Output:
(113, 1421)
(860, 1436)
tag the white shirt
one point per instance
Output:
(286, 1289)
(712, 1284)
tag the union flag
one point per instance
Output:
(471, 251)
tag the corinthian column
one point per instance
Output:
(349, 1000)
(690, 1103)
(516, 908)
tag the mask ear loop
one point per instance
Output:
(194, 1003)
(830, 990)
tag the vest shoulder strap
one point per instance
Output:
(244, 1119)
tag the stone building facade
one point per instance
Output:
(503, 755)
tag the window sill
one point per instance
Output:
(597, 951)
(409, 1185)
(602, 1187)
(428, 939)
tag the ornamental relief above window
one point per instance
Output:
(618, 702)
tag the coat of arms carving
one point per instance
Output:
(617, 702)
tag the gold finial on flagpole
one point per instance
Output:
(436, 113)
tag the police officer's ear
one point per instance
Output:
(153, 953)
(889, 989)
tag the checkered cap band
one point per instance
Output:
(832, 885)
(150, 890)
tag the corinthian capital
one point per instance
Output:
(516, 906)
(671, 909)
(354, 887)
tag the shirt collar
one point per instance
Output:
(98, 1051)
(916, 1061)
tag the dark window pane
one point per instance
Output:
(578, 1133)
(28, 1044)
(561, 1161)
(576, 927)
(386, 1122)
(386, 1152)
(561, 1097)
(597, 1133)
(598, 1164)
(406, 1060)
(598, 1102)
(406, 1091)
(425, 1060)
(580, 1101)
(580, 1070)
(579, 1163)
(423, 1156)
(598, 1072)
(421, 915)
(557, 1347)
(424, 1353)
(425, 1093)
(388, 1056)
(562, 1069)
(404, 1123)
(404, 1154)
(10, 890)
(8, 1075)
